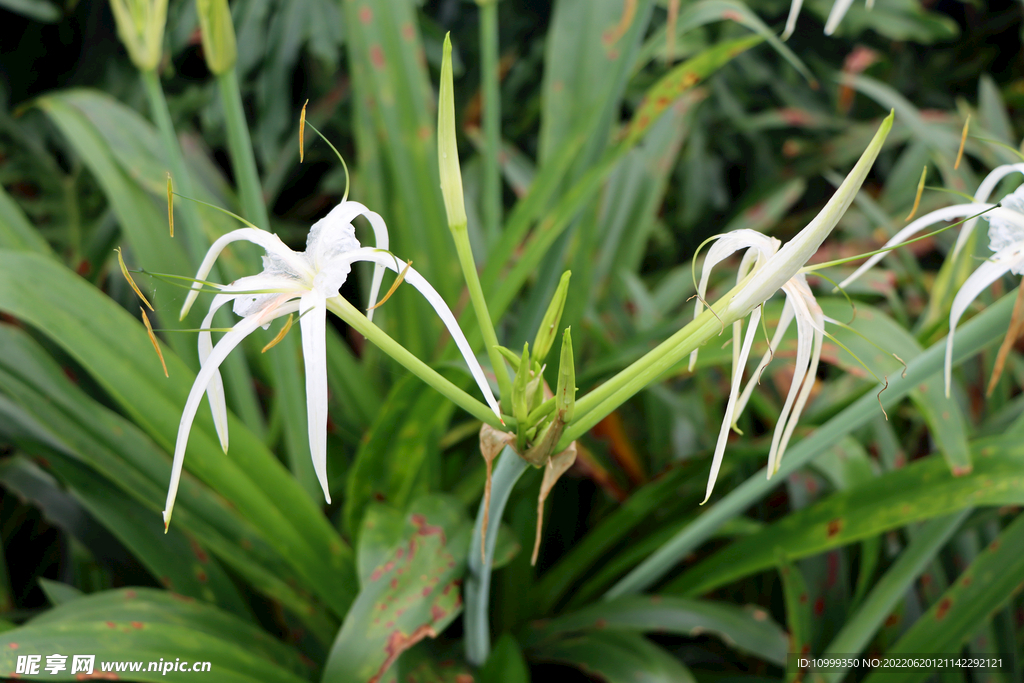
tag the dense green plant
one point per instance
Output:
(606, 138)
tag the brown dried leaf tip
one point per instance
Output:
(555, 468)
(492, 442)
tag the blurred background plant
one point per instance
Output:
(866, 543)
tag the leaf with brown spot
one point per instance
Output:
(412, 593)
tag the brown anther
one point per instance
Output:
(152, 338)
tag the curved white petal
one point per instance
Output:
(839, 9)
(215, 393)
(987, 273)
(346, 212)
(442, 310)
(270, 243)
(228, 342)
(984, 191)
(784, 320)
(805, 393)
(804, 340)
(737, 376)
(794, 12)
(724, 247)
(945, 214)
(313, 323)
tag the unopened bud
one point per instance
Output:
(218, 35)
(549, 325)
(140, 25)
(447, 147)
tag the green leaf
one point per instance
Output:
(146, 626)
(922, 490)
(114, 348)
(411, 595)
(152, 606)
(59, 593)
(16, 232)
(392, 455)
(46, 410)
(798, 609)
(992, 579)
(40, 10)
(505, 664)
(747, 630)
(616, 658)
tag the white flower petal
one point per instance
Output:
(270, 243)
(725, 246)
(794, 12)
(727, 420)
(343, 215)
(227, 343)
(442, 310)
(784, 321)
(805, 393)
(945, 214)
(804, 343)
(313, 323)
(839, 9)
(984, 191)
(987, 273)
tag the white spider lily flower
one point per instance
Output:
(1006, 239)
(801, 305)
(298, 281)
(839, 9)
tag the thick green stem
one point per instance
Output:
(490, 76)
(483, 316)
(478, 579)
(351, 315)
(981, 331)
(240, 147)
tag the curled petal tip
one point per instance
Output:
(327, 497)
(167, 519)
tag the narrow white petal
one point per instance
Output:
(839, 9)
(737, 376)
(313, 323)
(945, 214)
(445, 313)
(794, 12)
(804, 342)
(805, 393)
(724, 247)
(987, 273)
(227, 343)
(784, 320)
(270, 242)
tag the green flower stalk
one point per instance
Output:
(140, 24)
(218, 34)
(455, 206)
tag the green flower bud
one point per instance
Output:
(549, 325)
(565, 389)
(140, 24)
(218, 35)
(447, 148)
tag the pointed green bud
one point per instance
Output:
(447, 147)
(140, 25)
(218, 35)
(565, 390)
(520, 403)
(509, 355)
(549, 325)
